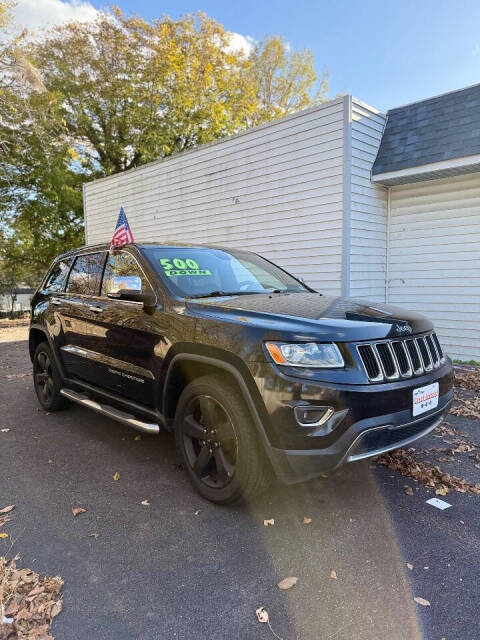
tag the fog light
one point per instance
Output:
(308, 416)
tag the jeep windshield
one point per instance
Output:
(202, 272)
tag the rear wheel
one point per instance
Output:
(218, 443)
(47, 379)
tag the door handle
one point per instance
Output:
(55, 301)
(95, 309)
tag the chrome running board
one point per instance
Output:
(111, 412)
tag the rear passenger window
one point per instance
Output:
(86, 274)
(58, 275)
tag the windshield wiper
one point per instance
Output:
(218, 294)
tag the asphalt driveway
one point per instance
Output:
(182, 568)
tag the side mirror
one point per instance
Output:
(126, 282)
(133, 295)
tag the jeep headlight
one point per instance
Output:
(306, 354)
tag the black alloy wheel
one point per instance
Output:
(219, 444)
(43, 377)
(47, 380)
(210, 441)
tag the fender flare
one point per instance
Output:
(230, 368)
(48, 338)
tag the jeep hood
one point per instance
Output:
(310, 316)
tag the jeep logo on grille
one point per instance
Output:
(403, 328)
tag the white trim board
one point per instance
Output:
(347, 194)
(443, 165)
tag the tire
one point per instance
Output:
(220, 449)
(47, 380)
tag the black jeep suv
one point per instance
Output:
(250, 367)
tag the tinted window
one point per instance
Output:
(58, 274)
(122, 271)
(193, 272)
(86, 274)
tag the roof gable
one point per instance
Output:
(434, 130)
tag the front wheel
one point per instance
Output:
(218, 443)
(47, 379)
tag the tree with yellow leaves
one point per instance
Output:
(283, 80)
(5, 16)
(120, 91)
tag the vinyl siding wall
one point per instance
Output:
(276, 190)
(434, 258)
(368, 234)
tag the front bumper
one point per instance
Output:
(378, 418)
(293, 466)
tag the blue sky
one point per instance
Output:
(385, 52)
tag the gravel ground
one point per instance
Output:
(13, 332)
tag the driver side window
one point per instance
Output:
(122, 271)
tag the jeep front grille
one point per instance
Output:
(370, 362)
(414, 355)
(385, 360)
(403, 362)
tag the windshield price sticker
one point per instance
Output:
(179, 267)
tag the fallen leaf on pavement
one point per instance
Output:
(139, 437)
(145, 503)
(410, 566)
(307, 520)
(409, 491)
(262, 614)
(29, 602)
(269, 523)
(287, 583)
(116, 476)
(469, 380)
(409, 464)
(94, 535)
(464, 447)
(333, 575)
(442, 491)
(422, 601)
(469, 407)
(3, 535)
(77, 510)
(7, 509)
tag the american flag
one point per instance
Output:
(122, 234)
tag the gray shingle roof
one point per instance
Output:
(440, 128)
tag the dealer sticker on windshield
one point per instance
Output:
(179, 267)
(425, 398)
